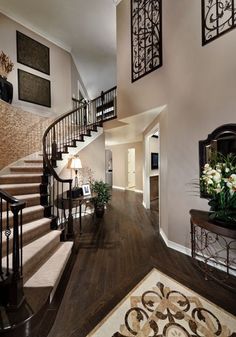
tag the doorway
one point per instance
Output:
(151, 172)
(131, 168)
(108, 167)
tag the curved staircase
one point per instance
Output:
(34, 255)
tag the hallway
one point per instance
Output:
(114, 255)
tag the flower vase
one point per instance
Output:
(6, 90)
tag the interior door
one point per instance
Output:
(131, 167)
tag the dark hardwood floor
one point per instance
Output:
(114, 254)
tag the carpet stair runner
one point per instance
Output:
(44, 256)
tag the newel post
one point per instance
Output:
(15, 290)
(70, 223)
(54, 148)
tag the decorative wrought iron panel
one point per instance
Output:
(218, 17)
(146, 37)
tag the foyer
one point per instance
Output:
(189, 96)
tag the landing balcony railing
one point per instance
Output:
(11, 254)
(105, 105)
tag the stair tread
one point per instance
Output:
(27, 196)
(18, 175)
(25, 165)
(55, 263)
(4, 186)
(34, 247)
(21, 188)
(30, 226)
(25, 210)
(26, 169)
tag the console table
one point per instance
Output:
(63, 203)
(214, 245)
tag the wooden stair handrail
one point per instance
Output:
(12, 200)
(45, 157)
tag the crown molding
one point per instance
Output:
(35, 30)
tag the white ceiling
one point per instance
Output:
(130, 129)
(85, 27)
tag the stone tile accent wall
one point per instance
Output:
(20, 133)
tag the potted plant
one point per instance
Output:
(218, 181)
(103, 196)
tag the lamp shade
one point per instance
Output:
(75, 163)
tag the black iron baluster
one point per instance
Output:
(1, 228)
(21, 243)
(7, 233)
(16, 294)
(102, 101)
(57, 199)
(70, 229)
(54, 148)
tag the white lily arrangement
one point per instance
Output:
(218, 181)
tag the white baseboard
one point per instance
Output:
(174, 245)
(126, 189)
(138, 191)
(118, 187)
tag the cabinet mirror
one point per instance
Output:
(222, 140)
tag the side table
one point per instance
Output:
(63, 203)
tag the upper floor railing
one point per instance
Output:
(103, 107)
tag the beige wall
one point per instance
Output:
(60, 69)
(76, 82)
(134, 97)
(120, 164)
(21, 133)
(198, 85)
(92, 157)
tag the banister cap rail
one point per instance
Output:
(15, 203)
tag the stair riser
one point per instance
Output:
(34, 215)
(18, 190)
(26, 169)
(28, 237)
(30, 267)
(20, 180)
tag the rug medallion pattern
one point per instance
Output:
(161, 307)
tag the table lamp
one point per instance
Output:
(76, 165)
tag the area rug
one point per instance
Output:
(159, 306)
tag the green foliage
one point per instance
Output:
(103, 191)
